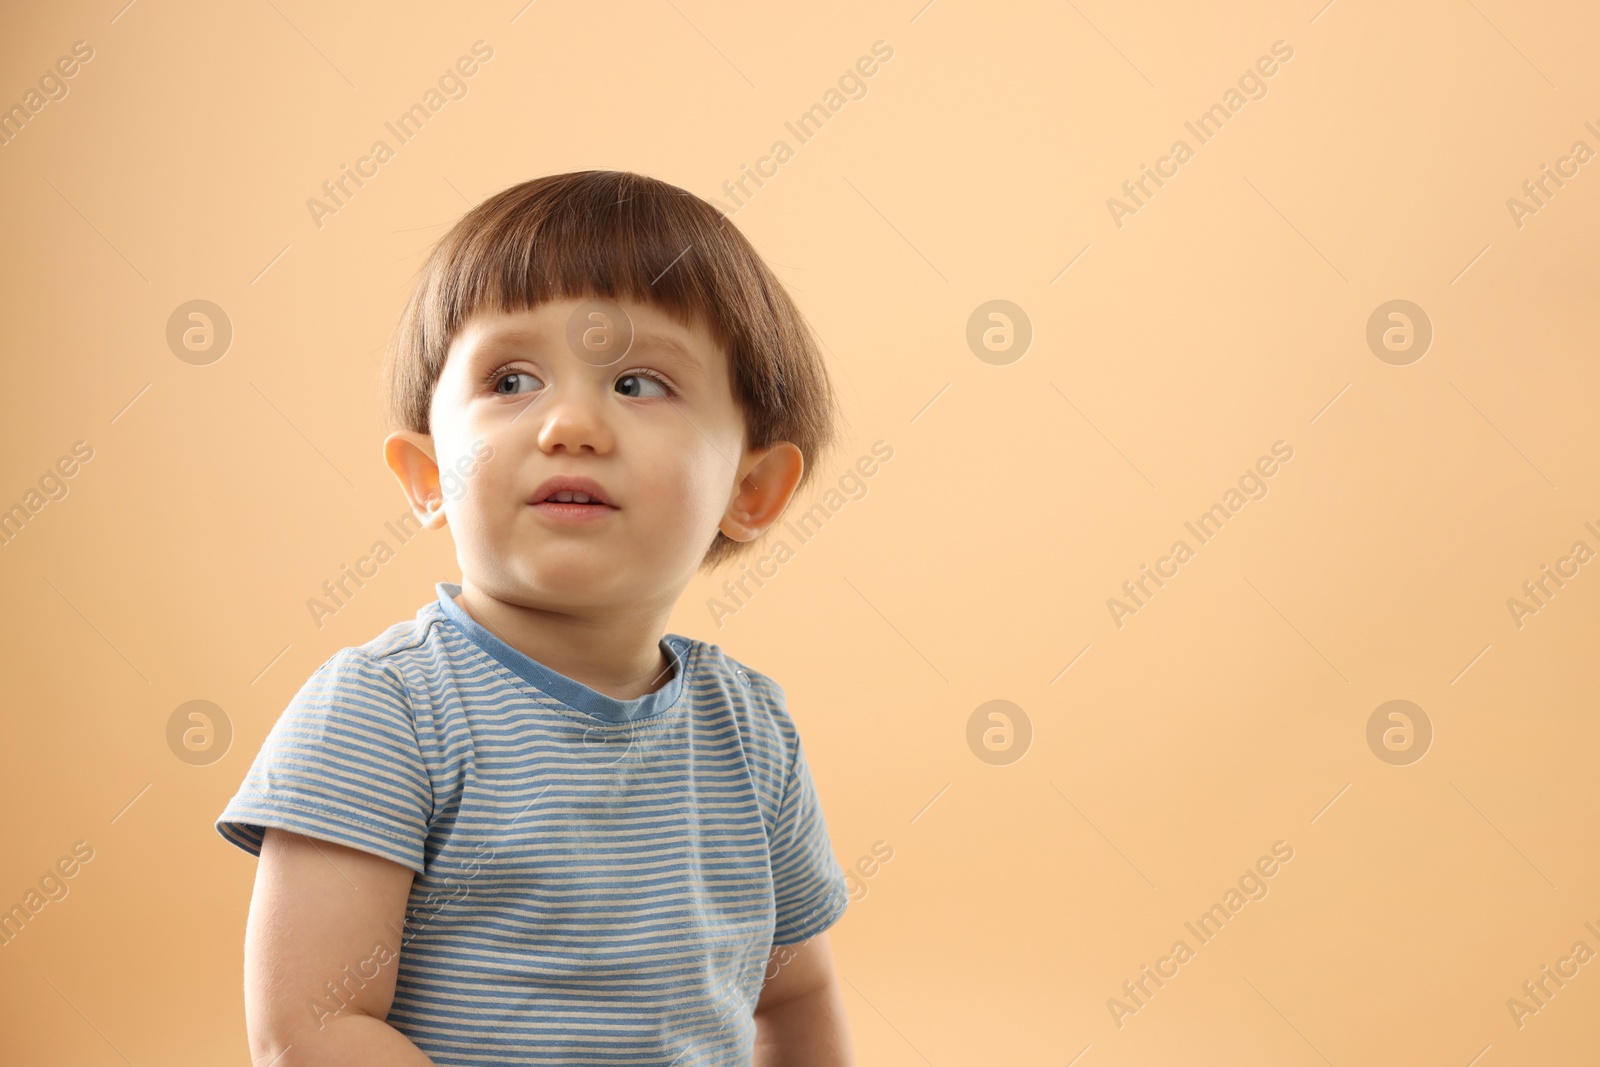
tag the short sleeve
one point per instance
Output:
(808, 884)
(341, 764)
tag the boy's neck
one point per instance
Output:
(619, 657)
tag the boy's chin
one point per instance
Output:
(578, 577)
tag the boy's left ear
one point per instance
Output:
(767, 480)
(411, 457)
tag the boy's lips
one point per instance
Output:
(556, 509)
(599, 507)
(572, 484)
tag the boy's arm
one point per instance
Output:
(800, 1019)
(321, 950)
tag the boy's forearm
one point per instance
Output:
(808, 1031)
(350, 1040)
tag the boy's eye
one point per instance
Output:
(512, 377)
(512, 383)
(631, 383)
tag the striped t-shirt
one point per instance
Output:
(597, 881)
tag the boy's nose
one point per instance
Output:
(574, 422)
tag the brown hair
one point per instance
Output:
(617, 235)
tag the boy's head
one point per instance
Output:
(608, 326)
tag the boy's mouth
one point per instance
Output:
(574, 491)
(570, 509)
(571, 498)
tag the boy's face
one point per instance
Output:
(560, 390)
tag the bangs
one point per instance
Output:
(592, 234)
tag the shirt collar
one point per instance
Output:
(570, 692)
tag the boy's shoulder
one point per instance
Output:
(404, 644)
(415, 653)
(760, 691)
(409, 639)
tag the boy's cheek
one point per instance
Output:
(450, 483)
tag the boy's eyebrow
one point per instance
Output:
(669, 346)
(665, 344)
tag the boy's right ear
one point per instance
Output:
(410, 456)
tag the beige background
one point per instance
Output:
(1229, 313)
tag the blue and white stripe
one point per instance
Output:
(598, 881)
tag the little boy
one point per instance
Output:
(527, 827)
